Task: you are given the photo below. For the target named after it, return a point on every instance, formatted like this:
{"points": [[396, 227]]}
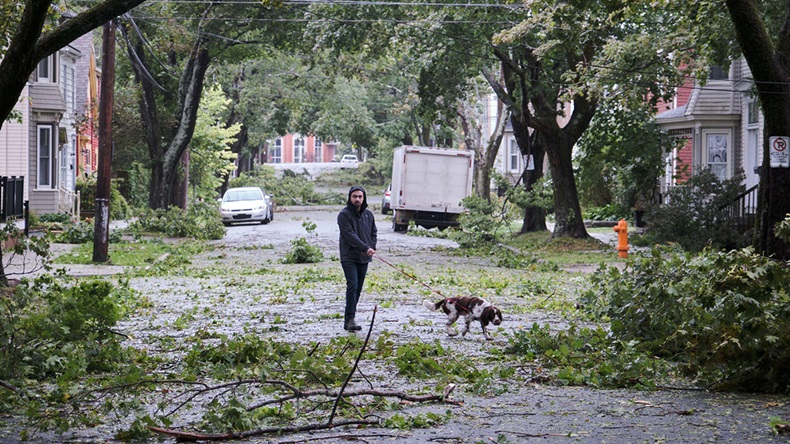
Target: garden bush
{"points": [[723, 316], [119, 208], [695, 216]]}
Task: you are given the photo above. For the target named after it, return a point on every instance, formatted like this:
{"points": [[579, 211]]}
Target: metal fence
{"points": [[12, 191], [742, 212]]}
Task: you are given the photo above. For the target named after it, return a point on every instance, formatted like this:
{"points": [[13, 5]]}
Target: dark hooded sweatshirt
{"points": [[357, 230]]}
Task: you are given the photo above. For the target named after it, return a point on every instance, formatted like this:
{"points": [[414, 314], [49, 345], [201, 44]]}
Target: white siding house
{"points": [[42, 147]]}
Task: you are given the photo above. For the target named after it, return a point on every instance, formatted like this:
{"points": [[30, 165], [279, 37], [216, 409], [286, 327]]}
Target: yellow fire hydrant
{"points": [[622, 238]]}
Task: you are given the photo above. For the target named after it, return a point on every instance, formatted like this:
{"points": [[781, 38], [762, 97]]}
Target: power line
{"points": [[412, 23]]}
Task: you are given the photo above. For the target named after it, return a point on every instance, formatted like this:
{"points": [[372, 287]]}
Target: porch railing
{"points": [[742, 212], [67, 201]]}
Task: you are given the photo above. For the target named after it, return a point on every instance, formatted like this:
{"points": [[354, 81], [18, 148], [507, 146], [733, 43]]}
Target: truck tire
{"points": [[399, 228]]}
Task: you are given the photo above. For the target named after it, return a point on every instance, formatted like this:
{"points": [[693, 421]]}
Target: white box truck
{"points": [[428, 185]]}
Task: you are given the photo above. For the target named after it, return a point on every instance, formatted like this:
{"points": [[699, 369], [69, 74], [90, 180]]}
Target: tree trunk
{"points": [[568, 213], [534, 216], [770, 67], [179, 194], [166, 159], [484, 154]]}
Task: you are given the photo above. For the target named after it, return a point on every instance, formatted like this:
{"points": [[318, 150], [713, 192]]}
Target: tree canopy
{"points": [[38, 31]]}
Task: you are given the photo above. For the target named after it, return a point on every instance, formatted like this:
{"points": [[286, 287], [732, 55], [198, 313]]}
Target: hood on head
{"points": [[364, 197]]}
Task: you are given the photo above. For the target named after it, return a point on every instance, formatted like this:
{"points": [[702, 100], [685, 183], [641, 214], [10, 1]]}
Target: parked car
{"points": [[246, 204], [386, 200], [349, 161]]}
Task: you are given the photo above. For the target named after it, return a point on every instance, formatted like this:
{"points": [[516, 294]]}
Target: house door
{"points": [[752, 159]]}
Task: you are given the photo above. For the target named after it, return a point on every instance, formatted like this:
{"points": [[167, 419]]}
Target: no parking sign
{"points": [[780, 151]]}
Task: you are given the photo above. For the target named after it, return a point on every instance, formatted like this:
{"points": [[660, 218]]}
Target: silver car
{"points": [[246, 204]]}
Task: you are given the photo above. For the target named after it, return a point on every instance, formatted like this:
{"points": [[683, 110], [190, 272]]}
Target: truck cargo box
{"points": [[428, 185]]}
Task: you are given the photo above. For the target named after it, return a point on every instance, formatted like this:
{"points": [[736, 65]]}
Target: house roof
{"points": [[46, 97], [672, 113]]}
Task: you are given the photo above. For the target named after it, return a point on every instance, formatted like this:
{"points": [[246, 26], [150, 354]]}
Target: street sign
{"points": [[780, 151]]}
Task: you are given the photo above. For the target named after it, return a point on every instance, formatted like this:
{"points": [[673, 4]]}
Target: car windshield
{"points": [[238, 195]]}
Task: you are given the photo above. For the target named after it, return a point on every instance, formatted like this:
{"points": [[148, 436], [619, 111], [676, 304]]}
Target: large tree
{"points": [[170, 60], [763, 33], [30, 36], [565, 58]]}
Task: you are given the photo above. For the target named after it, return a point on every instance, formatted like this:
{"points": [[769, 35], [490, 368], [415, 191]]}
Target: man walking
{"points": [[357, 247]]}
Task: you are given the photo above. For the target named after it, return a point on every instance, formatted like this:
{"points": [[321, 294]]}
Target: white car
{"points": [[349, 161], [246, 204]]}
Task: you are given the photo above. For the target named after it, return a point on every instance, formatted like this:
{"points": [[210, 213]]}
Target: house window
{"points": [[513, 155], [752, 113], [319, 150], [299, 150], [69, 89], [45, 158], [277, 152], [718, 73], [46, 69], [717, 147]]}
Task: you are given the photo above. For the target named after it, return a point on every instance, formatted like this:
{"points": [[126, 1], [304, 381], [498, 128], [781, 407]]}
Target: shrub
{"points": [[60, 218], [81, 233], [119, 208], [201, 221], [695, 217], [301, 251], [50, 329], [724, 316]]}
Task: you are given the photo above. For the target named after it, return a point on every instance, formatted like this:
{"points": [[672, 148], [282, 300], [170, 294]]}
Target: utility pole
{"points": [[101, 232]]}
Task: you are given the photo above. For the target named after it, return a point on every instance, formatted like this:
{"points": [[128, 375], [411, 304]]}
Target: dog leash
{"points": [[453, 300]]}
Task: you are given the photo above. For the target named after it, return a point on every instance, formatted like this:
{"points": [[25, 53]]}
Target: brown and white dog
{"points": [[471, 308]]}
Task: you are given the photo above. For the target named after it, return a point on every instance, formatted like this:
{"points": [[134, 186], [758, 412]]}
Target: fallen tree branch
{"points": [[352, 393], [339, 395], [13, 388], [354, 367], [192, 436]]}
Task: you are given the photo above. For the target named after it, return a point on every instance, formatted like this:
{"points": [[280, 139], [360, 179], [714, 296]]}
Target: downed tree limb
{"points": [[353, 368], [331, 423], [13, 388], [192, 436], [352, 393]]}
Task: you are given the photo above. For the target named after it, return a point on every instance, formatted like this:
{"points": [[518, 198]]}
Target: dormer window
{"points": [[718, 73]]}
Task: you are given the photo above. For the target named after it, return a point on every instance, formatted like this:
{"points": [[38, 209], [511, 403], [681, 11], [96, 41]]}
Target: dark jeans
{"points": [[355, 277]]}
